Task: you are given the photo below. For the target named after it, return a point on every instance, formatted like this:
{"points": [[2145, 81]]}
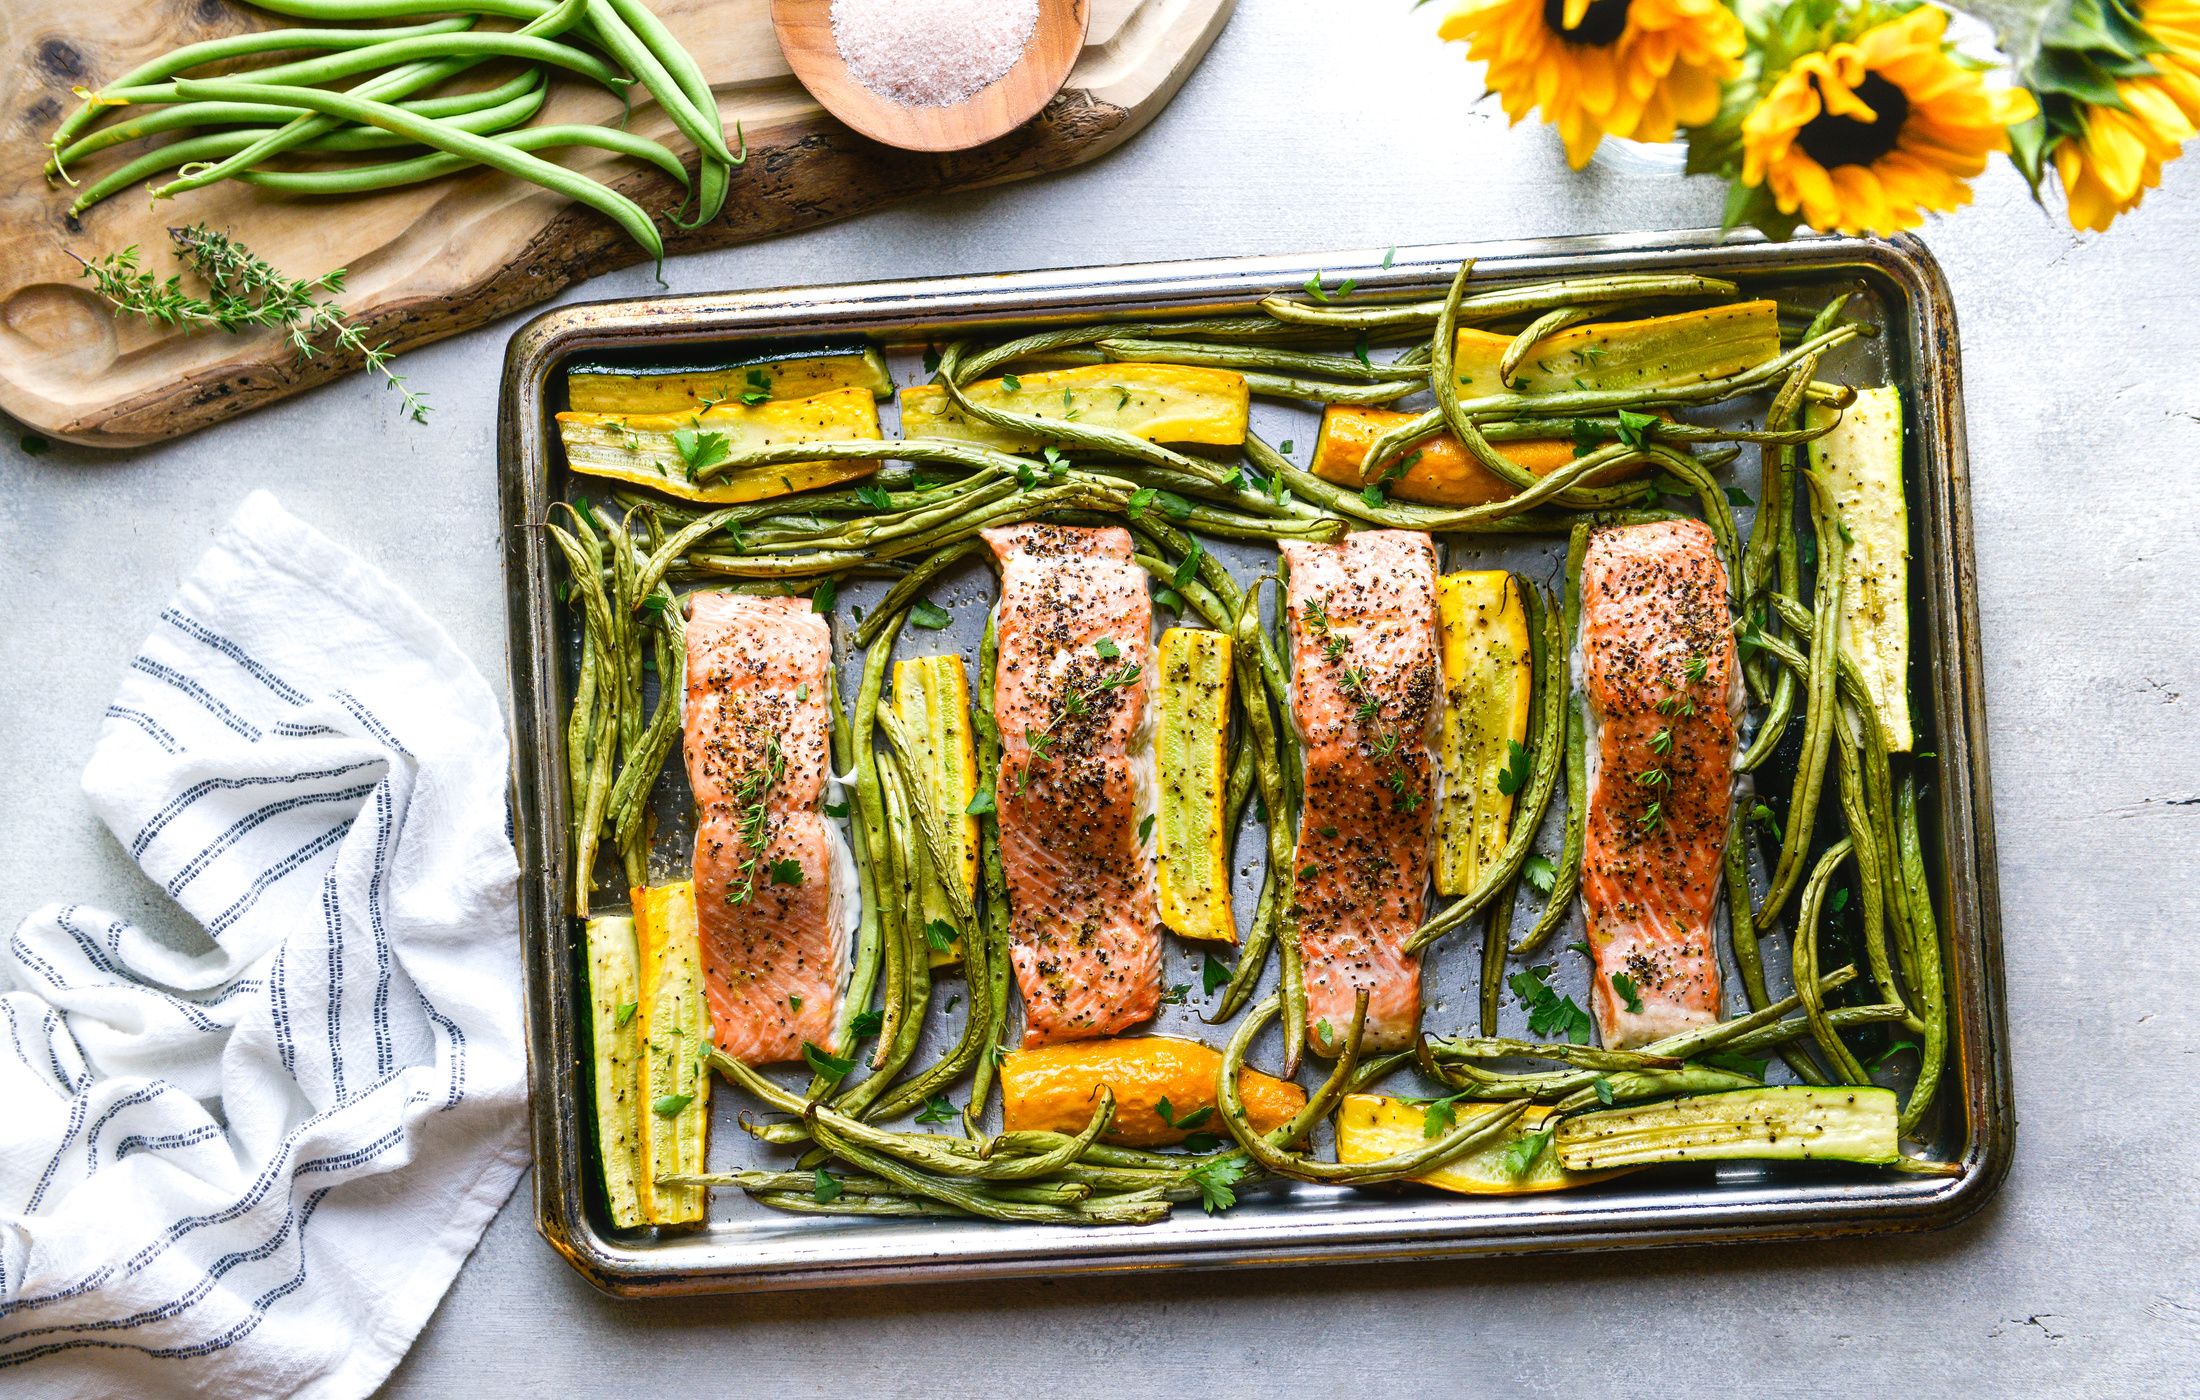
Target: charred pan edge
{"points": [[1925, 357]]}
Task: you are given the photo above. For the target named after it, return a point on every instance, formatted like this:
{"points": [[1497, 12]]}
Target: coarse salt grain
{"points": [[932, 53]]}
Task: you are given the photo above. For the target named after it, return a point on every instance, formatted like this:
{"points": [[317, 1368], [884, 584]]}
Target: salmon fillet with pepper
{"points": [[1364, 700], [1660, 677], [1071, 695], [775, 893]]}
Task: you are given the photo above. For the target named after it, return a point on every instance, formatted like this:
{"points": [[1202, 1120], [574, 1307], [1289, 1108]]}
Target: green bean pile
{"points": [[246, 123], [915, 521]]}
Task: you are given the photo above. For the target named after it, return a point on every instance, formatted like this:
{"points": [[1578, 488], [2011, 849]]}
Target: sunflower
{"points": [[1637, 69], [2112, 154], [1868, 134]]}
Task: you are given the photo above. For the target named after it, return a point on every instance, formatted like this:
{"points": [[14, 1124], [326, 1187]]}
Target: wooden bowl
{"points": [[805, 30]]}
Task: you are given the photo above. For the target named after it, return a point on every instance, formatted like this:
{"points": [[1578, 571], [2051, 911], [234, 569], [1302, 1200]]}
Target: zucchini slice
{"points": [[660, 450], [932, 700], [1788, 1122], [1483, 637], [1192, 772], [672, 1027], [1372, 1126], [608, 386], [1160, 403], [1861, 460], [614, 1000], [1661, 352]]}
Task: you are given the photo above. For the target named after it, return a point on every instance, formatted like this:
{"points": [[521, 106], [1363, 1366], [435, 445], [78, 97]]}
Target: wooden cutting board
{"points": [[441, 258]]}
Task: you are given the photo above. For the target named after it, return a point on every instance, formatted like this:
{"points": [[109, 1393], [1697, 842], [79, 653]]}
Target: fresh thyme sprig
{"points": [[245, 291]]}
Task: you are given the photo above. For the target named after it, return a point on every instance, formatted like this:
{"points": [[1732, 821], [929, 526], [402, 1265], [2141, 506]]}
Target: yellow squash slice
{"points": [[672, 1024], [1371, 1127], [932, 701], [1160, 403], [1487, 679], [661, 450], [1192, 772], [1662, 352]]}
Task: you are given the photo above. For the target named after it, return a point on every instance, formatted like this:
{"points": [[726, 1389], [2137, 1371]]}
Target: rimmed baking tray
{"points": [[744, 1247]]}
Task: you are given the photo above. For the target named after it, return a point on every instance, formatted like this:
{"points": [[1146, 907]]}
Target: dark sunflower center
{"points": [[1832, 140], [1600, 26]]}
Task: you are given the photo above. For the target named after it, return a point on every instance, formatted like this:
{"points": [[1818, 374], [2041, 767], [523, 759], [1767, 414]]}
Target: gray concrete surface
{"points": [[1315, 126]]}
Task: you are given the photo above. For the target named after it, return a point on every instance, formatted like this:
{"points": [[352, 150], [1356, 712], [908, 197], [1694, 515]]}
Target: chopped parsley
{"points": [[825, 1062], [1514, 775], [940, 935], [1628, 992], [1190, 1120], [866, 1023], [670, 1105], [824, 1188], [929, 615], [822, 596], [1212, 974], [874, 496], [787, 872], [1540, 874], [1106, 649], [1549, 1013], [981, 804], [936, 1109], [1522, 1153], [1634, 428], [1216, 1181], [699, 449], [1145, 829]]}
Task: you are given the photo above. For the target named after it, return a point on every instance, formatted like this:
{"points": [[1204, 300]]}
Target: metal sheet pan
{"points": [[744, 1247]]}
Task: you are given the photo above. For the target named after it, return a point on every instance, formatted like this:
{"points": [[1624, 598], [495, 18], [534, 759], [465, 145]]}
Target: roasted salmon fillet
{"points": [[1660, 678], [1364, 701], [1071, 695], [775, 897]]}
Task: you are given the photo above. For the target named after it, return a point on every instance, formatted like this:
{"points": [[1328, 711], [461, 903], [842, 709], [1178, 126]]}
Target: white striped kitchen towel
{"points": [[253, 1169]]}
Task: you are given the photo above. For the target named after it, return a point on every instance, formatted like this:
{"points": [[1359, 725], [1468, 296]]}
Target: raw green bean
{"points": [[713, 173], [468, 49], [343, 11], [511, 102], [622, 43], [224, 49], [399, 82], [360, 179], [421, 169], [606, 201], [1548, 696]]}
